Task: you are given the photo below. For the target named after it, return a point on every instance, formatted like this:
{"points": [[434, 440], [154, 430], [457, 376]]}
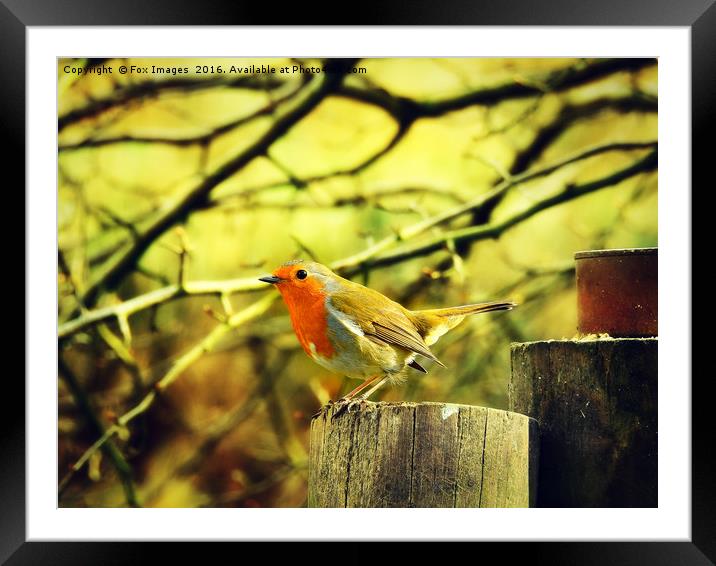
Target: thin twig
{"points": [[157, 297], [408, 110], [547, 134], [490, 231], [116, 267], [207, 344], [201, 139], [405, 111], [124, 471], [148, 89], [414, 230], [346, 265]]}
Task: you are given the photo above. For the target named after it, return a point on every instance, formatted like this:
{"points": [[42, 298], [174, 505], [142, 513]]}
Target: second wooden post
{"points": [[596, 403]]}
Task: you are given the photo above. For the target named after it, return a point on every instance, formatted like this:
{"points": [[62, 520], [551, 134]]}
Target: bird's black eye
{"points": [[301, 274]]}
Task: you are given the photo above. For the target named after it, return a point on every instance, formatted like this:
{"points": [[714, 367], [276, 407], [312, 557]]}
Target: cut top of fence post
{"points": [[422, 455]]}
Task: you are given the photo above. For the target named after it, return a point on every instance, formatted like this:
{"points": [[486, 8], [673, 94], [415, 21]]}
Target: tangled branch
{"points": [[120, 464], [349, 265], [491, 231], [201, 139], [148, 89], [405, 111], [116, 268], [206, 345], [429, 235]]}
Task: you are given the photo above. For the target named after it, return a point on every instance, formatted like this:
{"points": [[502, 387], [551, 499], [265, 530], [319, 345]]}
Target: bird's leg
{"points": [[346, 405], [361, 387], [344, 402], [373, 389]]}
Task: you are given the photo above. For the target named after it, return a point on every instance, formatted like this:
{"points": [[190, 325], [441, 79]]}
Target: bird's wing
{"points": [[401, 336], [382, 319]]}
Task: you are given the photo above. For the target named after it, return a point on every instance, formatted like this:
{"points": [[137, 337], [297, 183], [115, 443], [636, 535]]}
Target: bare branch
{"points": [[406, 110], [124, 260], [569, 114], [490, 231], [140, 91], [202, 139], [110, 449], [371, 199], [228, 422], [348, 265], [157, 297], [413, 230], [207, 344]]}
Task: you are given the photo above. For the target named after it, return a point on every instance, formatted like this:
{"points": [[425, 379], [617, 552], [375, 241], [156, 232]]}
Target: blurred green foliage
{"points": [[232, 429]]}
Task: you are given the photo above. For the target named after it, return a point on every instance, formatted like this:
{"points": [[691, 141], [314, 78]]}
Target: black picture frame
{"points": [[17, 15]]}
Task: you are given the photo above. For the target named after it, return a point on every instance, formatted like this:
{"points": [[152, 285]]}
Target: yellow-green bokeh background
{"points": [[254, 220]]}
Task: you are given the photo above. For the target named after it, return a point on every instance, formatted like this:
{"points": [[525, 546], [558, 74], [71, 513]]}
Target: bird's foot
{"points": [[323, 410], [339, 407], [346, 406]]}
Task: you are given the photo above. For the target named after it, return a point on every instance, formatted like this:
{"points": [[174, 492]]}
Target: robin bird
{"points": [[358, 332]]}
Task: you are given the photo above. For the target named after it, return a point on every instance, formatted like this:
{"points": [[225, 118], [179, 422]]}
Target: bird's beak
{"points": [[270, 279]]}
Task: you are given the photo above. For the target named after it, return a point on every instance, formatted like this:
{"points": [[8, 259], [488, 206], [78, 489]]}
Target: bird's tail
{"points": [[471, 309], [436, 322]]}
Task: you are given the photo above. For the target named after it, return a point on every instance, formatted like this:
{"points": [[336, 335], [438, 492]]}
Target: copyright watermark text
{"points": [[263, 69]]}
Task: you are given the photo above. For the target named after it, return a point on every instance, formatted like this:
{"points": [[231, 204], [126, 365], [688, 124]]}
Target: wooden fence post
{"points": [[422, 455], [596, 404]]}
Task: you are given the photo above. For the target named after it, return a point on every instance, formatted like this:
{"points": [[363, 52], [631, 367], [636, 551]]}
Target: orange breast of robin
{"points": [[307, 307]]}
